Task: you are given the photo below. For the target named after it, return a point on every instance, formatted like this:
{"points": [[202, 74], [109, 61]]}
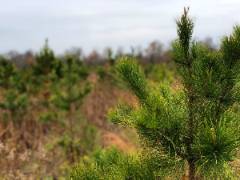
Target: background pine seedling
{"points": [[68, 93]]}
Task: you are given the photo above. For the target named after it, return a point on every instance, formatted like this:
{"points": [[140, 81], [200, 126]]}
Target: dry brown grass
{"points": [[27, 151]]}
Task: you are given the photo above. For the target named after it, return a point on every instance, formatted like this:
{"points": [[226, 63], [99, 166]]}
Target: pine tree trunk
{"points": [[191, 128], [72, 136], [192, 172]]}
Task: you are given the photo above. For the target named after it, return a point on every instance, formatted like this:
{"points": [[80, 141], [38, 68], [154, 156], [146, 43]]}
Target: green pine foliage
{"points": [[210, 82], [15, 104], [72, 88], [111, 164], [15, 97], [7, 69], [198, 124], [45, 61]]}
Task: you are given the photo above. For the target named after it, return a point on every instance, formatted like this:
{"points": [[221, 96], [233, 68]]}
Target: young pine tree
{"points": [[198, 124], [7, 70], [45, 60], [14, 103], [68, 93]]}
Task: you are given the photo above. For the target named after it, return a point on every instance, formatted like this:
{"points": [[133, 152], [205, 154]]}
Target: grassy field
{"points": [[36, 134]]}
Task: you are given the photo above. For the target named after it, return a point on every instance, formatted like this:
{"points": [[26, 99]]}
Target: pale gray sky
{"points": [[99, 23]]}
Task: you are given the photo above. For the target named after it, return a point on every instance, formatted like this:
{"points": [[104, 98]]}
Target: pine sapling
{"points": [[45, 60], [68, 94], [197, 124]]}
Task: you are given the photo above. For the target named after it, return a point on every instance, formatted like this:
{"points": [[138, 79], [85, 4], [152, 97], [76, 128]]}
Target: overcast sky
{"points": [[95, 24]]}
